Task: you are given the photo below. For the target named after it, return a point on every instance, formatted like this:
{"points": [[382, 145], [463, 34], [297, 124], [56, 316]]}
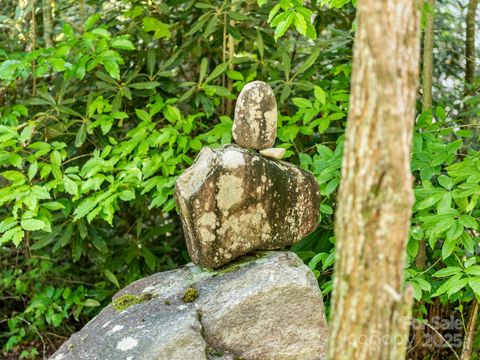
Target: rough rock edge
{"points": [[211, 353]]}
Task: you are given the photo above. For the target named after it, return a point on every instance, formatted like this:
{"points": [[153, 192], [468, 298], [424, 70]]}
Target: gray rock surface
{"points": [[233, 201], [264, 307], [255, 123]]}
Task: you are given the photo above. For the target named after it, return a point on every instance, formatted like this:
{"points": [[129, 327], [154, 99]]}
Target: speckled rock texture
{"points": [[265, 307], [233, 201], [255, 123]]}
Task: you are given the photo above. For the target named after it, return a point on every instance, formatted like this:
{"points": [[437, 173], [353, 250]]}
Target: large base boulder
{"points": [[267, 306], [233, 201]]}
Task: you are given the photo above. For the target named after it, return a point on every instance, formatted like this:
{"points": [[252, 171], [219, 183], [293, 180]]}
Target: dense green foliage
{"points": [[95, 130]]}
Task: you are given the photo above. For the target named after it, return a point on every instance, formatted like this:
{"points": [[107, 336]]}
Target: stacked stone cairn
{"points": [[237, 300]]}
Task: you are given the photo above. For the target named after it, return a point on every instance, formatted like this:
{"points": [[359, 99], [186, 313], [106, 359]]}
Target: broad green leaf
{"points": [[448, 271], [319, 94], [32, 224], [455, 231], [473, 270], [300, 24], [309, 62], [7, 224], [468, 221], [123, 44], [283, 26], [160, 29], [475, 285], [91, 303], [70, 186], [111, 276], [448, 284], [217, 72], [446, 182], [457, 286], [147, 85], [235, 75], [448, 247]]}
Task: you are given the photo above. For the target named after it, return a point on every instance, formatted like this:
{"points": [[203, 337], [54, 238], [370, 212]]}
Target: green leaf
{"points": [[53, 205], [32, 170], [123, 44], [283, 26], [448, 271], [446, 182], [16, 177], [302, 103], [7, 224], [112, 67], [81, 136], [143, 115], [319, 94], [473, 270], [326, 209], [448, 247], [457, 286], [127, 195], [309, 62], [235, 75], [424, 284], [26, 133], [468, 221], [203, 69], [217, 72], [32, 224], [91, 20], [55, 158], [101, 32], [428, 202], [447, 285], [147, 85], [111, 277], [475, 285], [455, 231], [150, 259], [300, 24], [91, 303], [444, 224], [70, 186], [160, 29]]}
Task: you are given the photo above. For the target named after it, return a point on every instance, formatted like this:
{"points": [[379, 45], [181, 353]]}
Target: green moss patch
{"points": [[190, 295], [127, 300]]}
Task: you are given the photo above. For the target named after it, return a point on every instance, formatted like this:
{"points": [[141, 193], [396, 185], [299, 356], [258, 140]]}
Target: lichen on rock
{"points": [[255, 123]]}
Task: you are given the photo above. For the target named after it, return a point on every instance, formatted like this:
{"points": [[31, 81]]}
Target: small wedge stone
{"points": [[274, 153]]}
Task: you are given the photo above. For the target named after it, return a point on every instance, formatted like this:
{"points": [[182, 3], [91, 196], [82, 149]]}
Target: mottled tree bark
{"points": [[47, 23], [470, 46], [427, 69], [427, 86], [370, 310]]}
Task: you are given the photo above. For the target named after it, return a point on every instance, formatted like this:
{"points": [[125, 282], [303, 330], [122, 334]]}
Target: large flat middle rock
{"points": [[233, 200]]}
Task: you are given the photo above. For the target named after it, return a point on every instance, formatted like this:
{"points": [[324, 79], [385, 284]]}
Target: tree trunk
{"points": [[427, 84], [470, 46], [470, 331], [370, 310], [47, 23], [427, 70]]}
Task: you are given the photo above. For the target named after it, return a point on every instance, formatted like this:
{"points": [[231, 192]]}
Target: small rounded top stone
{"points": [[255, 124]]}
